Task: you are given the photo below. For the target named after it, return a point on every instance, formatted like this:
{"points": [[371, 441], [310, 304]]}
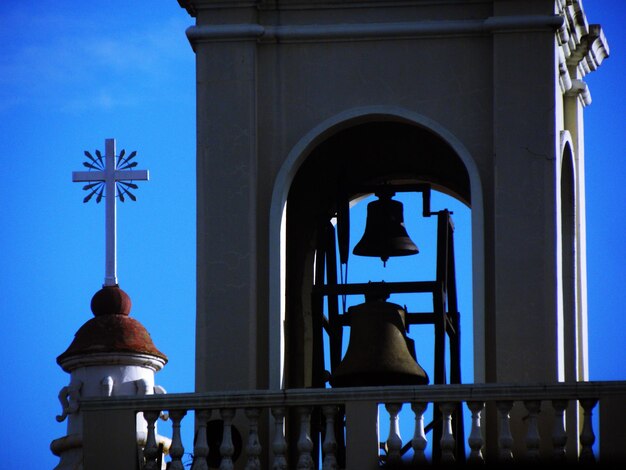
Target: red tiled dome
{"points": [[111, 330]]}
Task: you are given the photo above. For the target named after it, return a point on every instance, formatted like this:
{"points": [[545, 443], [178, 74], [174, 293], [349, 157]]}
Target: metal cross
{"points": [[110, 178]]}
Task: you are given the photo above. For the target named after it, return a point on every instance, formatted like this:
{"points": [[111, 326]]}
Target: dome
{"points": [[111, 330]]}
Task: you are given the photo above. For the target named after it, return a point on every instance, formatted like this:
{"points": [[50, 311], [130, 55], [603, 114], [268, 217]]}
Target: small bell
{"points": [[385, 234]]}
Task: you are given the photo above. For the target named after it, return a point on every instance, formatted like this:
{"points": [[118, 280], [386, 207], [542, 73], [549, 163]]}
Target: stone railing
{"points": [[304, 428]]}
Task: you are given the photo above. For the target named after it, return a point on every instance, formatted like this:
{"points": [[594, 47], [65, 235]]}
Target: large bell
{"points": [[379, 352], [385, 234]]}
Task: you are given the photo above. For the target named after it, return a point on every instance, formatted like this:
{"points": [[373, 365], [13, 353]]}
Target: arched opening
{"points": [[343, 167], [573, 336], [568, 266], [345, 170]]}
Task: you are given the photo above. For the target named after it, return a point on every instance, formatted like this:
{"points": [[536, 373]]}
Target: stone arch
{"points": [[572, 329], [568, 255], [372, 129]]}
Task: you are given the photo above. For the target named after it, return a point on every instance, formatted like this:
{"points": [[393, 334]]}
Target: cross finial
{"points": [[110, 178]]}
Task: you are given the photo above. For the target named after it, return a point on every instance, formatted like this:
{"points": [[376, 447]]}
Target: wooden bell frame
{"points": [[444, 315]]}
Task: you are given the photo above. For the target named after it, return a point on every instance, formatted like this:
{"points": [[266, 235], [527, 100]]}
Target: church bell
{"points": [[379, 351], [385, 233]]}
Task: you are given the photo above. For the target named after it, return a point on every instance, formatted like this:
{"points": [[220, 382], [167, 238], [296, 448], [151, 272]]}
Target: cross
{"points": [[113, 177]]}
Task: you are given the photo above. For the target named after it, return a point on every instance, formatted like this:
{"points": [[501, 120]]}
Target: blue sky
{"points": [[72, 75]]}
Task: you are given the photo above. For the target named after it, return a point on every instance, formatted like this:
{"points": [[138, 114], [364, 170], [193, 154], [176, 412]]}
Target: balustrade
{"points": [[262, 416]]}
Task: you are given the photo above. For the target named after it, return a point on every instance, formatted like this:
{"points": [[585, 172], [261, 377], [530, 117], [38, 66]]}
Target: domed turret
{"points": [[111, 355]]}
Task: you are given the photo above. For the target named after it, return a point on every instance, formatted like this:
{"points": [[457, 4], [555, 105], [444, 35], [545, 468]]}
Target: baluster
{"points": [[176, 447], [227, 449], [532, 435], [419, 441], [279, 446], [330, 443], [475, 439], [505, 439], [253, 448], [447, 437], [151, 450], [201, 446], [587, 437], [559, 436], [305, 444], [394, 441]]}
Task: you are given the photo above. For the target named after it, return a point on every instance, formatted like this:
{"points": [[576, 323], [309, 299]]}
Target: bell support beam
{"points": [[376, 288], [423, 188], [334, 318]]}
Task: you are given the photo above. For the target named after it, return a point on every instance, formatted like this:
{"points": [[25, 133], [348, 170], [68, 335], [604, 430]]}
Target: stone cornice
{"points": [[369, 31], [149, 361], [582, 44], [193, 7], [583, 47]]}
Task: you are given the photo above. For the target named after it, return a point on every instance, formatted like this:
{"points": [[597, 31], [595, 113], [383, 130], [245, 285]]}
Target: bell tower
{"points": [[304, 107]]}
